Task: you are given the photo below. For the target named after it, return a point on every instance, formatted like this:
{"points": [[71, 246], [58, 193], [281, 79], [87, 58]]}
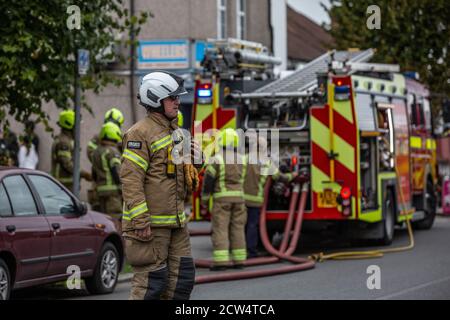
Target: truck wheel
{"points": [[106, 271], [5, 281], [388, 220], [430, 208]]}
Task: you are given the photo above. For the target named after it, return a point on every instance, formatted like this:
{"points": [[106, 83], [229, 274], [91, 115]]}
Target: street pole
{"points": [[76, 156]]}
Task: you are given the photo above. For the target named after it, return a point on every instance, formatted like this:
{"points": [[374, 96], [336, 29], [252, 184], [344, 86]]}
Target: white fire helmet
{"points": [[159, 85]]}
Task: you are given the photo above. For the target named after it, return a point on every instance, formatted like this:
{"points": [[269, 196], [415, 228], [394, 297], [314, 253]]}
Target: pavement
{"points": [[421, 273]]}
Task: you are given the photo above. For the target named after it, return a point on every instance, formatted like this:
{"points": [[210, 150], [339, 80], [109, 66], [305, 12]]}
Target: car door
{"points": [[26, 233], [73, 235]]}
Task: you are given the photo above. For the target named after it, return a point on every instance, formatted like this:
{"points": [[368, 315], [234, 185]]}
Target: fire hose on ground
{"points": [[300, 264], [285, 252]]}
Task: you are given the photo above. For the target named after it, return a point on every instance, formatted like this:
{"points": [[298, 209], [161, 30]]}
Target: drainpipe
{"points": [[132, 68]]}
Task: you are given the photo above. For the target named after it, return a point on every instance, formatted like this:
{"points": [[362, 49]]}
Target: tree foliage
{"points": [[37, 51], [414, 34]]}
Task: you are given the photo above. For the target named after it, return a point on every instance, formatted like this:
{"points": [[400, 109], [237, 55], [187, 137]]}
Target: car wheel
{"points": [[106, 271], [430, 208], [5, 281]]}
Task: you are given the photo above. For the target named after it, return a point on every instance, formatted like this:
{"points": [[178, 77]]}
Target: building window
{"points": [[240, 19], [221, 19]]}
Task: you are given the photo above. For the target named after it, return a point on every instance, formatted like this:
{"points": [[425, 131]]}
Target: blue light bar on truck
{"points": [[204, 93]]}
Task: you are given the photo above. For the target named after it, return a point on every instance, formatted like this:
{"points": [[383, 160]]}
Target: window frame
{"points": [[41, 204], [418, 116], [34, 196], [9, 201], [241, 30], [222, 8], [427, 114]]}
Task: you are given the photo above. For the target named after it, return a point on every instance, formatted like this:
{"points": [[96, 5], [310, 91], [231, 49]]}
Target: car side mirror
{"points": [[81, 208]]}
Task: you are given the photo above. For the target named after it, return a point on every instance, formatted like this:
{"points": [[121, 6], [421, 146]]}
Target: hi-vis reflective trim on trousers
{"points": [[168, 219], [161, 143], [221, 255], [239, 254], [136, 211], [415, 142], [133, 157]]}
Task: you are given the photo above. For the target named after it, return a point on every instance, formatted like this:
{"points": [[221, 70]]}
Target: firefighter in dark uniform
{"points": [[62, 151], [106, 171], [157, 243]]}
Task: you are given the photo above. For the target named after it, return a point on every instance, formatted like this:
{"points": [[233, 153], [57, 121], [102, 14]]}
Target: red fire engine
{"points": [[362, 130]]}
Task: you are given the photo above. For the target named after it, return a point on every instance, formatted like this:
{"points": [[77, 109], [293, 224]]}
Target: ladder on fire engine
{"points": [[305, 79]]}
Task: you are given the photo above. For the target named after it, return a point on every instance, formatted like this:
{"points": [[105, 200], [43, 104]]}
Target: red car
{"points": [[46, 234]]}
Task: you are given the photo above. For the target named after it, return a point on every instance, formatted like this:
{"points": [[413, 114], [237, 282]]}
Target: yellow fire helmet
{"points": [[111, 131], [114, 115], [67, 119]]}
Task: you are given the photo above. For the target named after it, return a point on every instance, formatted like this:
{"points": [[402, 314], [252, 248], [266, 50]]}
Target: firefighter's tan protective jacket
{"points": [[92, 146], [150, 195], [255, 182], [224, 181], [62, 154], [105, 162]]}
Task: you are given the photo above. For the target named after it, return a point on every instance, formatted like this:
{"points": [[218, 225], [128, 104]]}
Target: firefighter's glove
{"points": [[144, 234], [140, 228], [191, 177]]}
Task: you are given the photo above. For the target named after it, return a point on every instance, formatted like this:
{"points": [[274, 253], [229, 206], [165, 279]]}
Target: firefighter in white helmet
{"points": [[154, 188]]}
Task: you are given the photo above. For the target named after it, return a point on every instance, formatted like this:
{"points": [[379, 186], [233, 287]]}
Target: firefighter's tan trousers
{"points": [[163, 267], [228, 232]]}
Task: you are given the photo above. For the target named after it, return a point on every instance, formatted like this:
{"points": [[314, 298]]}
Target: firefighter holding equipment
{"points": [[157, 243], [106, 171], [62, 151], [224, 182], [255, 182], [115, 116]]}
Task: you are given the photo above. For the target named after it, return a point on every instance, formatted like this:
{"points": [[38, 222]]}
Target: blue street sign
{"points": [[83, 61]]}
